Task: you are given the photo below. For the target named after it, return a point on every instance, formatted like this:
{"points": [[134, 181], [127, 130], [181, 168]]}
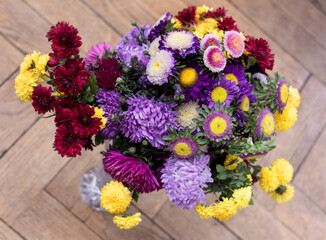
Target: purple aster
{"points": [[222, 90], [245, 99], [159, 26], [181, 43], [183, 148], [131, 172], [184, 180], [249, 156], [133, 56], [218, 126], [108, 100], [260, 77], [96, 52], [235, 73], [147, 118], [282, 93], [265, 124]]}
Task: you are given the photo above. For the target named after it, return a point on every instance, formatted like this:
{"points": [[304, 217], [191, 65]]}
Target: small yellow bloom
{"points": [[231, 161], [29, 62], [115, 198], [282, 194], [24, 85], [204, 212], [242, 197], [127, 222], [283, 170], [99, 113], [294, 97], [208, 26], [225, 209], [268, 180], [201, 11], [178, 24], [41, 63], [285, 120]]}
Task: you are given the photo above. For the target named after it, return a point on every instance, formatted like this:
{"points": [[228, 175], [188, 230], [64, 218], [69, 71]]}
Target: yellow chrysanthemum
{"points": [[204, 212], [231, 161], [29, 62], [99, 113], [208, 26], [24, 85], [282, 194], [127, 222], [242, 197], [294, 97], [178, 24], [225, 209], [249, 177], [41, 63], [188, 77], [268, 180], [285, 120], [115, 198], [283, 170], [200, 11]]}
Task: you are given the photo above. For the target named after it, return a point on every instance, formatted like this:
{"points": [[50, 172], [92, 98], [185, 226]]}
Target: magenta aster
{"points": [[218, 125], [183, 148], [96, 52], [233, 43], [214, 59]]}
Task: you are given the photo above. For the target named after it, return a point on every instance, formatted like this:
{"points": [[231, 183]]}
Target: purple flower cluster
{"points": [[183, 180], [159, 26]]}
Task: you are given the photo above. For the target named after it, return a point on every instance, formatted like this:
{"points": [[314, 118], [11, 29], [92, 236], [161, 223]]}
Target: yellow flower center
{"points": [[244, 106], [182, 149], [268, 125], [216, 56], [188, 77], [218, 125], [219, 93], [231, 77], [284, 93], [156, 66]]}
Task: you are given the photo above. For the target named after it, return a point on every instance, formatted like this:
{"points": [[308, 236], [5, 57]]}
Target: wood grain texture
{"points": [[102, 224], [320, 5], [6, 233], [46, 218], [151, 203]]}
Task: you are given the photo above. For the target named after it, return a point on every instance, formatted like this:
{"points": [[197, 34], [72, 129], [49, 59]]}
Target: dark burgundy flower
{"points": [[187, 15], [42, 100], [83, 122], [63, 117], [259, 49], [89, 145], [65, 39], [218, 13], [71, 77], [53, 61], [227, 24], [66, 142], [108, 72]]}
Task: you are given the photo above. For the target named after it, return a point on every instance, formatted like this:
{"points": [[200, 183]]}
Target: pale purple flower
{"points": [[96, 52]]}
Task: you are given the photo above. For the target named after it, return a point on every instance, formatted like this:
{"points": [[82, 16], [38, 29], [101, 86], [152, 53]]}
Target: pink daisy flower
{"points": [[214, 59], [233, 43], [210, 40]]}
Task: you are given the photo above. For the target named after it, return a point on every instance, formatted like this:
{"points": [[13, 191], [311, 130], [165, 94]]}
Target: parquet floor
{"points": [[39, 197]]}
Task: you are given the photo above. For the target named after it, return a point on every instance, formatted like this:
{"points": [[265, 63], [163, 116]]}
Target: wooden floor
{"points": [[39, 197]]}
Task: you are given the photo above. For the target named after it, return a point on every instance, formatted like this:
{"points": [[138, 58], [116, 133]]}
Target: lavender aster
{"points": [[184, 180], [183, 147], [159, 26], [96, 52], [218, 126], [147, 119], [282, 94]]}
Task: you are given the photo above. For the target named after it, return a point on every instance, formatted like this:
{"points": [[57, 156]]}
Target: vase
{"points": [[91, 182]]}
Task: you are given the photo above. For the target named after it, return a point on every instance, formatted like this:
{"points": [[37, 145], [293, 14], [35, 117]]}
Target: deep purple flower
{"points": [[159, 26], [235, 73], [245, 99], [96, 52], [249, 156], [130, 172], [282, 94], [184, 180]]}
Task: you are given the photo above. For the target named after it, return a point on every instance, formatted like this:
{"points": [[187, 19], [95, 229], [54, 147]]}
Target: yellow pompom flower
{"points": [[294, 97], [249, 177], [177, 23], [268, 180], [24, 85], [231, 161], [242, 197], [204, 212], [225, 209], [282, 194], [127, 222], [99, 113], [283, 170], [115, 198], [41, 63], [285, 120], [201, 11], [29, 62], [208, 26]]}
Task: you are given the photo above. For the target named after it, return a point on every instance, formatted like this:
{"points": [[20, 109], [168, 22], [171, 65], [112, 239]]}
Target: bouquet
{"points": [[187, 105]]}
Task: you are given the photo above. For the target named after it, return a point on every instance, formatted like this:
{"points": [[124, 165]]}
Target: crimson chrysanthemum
{"points": [[42, 100], [108, 72], [187, 15], [218, 13], [53, 61], [71, 77], [65, 39], [259, 49], [130, 172], [227, 24]]}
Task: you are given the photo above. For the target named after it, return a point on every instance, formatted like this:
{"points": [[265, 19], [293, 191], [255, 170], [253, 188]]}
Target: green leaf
{"points": [[99, 139], [135, 195]]}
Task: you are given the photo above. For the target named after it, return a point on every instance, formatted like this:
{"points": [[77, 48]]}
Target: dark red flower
{"points": [[187, 15], [71, 77], [227, 24], [108, 72], [89, 144], [83, 123], [218, 13], [42, 100], [65, 39], [63, 117], [66, 142], [259, 49], [53, 61]]}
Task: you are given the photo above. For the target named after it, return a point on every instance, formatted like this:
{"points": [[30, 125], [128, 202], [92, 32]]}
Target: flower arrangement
{"points": [[187, 105]]}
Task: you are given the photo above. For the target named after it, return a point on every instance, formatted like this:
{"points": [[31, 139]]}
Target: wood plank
{"points": [[46, 218], [308, 17], [311, 175], [15, 116], [10, 56], [286, 32], [27, 168], [320, 5], [91, 28], [186, 224], [26, 29], [302, 216], [6, 233], [150, 203], [102, 224]]}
